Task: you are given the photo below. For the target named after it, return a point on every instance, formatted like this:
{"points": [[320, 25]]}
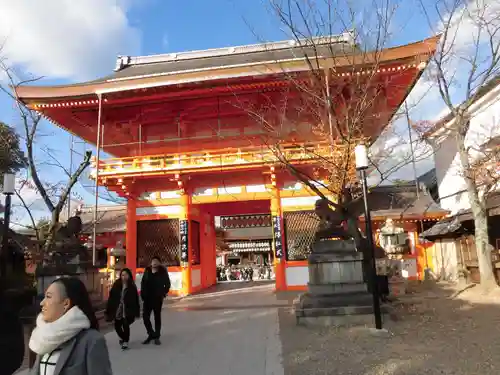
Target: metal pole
{"points": [[98, 155], [369, 236], [140, 139], [329, 109], [70, 172], [5, 236], [413, 162]]}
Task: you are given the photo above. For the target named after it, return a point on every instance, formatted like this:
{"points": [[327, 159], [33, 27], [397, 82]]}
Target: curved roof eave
{"points": [[109, 84]]}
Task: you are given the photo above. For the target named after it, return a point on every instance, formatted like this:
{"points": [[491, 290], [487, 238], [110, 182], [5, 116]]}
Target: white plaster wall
{"points": [[297, 276], [175, 280], [450, 181], [485, 125], [445, 260], [299, 201], [158, 210], [195, 278]]}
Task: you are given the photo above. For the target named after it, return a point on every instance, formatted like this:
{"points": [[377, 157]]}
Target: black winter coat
{"points": [[131, 300], [11, 339], [155, 286]]}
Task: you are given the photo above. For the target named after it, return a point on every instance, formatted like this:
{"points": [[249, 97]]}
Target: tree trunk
{"points": [[483, 249], [480, 216], [51, 234], [353, 229]]}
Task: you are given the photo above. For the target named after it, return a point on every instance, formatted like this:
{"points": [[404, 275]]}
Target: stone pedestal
{"points": [[397, 286], [337, 292]]}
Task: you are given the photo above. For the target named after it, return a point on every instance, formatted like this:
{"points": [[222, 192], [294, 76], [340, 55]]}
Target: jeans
{"points": [[155, 308], [122, 329]]}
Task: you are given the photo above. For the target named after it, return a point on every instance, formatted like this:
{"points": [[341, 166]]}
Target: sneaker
{"points": [[125, 346], [157, 342], [147, 341]]}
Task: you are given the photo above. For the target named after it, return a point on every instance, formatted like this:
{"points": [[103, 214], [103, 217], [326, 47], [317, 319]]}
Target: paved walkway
{"points": [[226, 332]]}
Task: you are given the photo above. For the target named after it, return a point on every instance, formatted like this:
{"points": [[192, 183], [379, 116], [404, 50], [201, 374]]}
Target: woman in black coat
{"points": [[123, 306]]}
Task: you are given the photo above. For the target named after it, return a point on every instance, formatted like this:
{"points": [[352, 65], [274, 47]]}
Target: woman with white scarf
{"points": [[66, 338]]}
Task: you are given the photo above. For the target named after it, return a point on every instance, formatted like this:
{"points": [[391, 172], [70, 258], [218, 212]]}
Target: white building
{"points": [[454, 250], [484, 130]]}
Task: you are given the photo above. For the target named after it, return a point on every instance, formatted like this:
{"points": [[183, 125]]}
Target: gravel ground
{"points": [[436, 332]]}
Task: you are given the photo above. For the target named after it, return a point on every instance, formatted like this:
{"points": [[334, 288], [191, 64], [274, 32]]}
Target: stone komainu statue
{"points": [[71, 230], [331, 221], [342, 222], [67, 244]]}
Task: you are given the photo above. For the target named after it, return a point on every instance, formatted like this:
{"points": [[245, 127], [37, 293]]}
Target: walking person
{"points": [[155, 286], [66, 339], [123, 306]]}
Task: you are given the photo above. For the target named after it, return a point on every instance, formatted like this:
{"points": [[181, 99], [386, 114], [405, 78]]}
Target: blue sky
{"points": [[67, 41]]}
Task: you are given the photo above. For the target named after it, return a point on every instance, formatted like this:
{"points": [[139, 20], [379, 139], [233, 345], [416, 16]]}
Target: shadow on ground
{"points": [[437, 332]]}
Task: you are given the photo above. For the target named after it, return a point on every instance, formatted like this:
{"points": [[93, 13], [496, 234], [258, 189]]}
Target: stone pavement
{"points": [[230, 332]]}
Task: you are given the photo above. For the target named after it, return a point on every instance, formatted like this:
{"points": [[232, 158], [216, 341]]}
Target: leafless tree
{"points": [[55, 195], [466, 66], [329, 108], [24, 187]]}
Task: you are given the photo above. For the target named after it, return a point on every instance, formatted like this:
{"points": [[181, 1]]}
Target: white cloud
{"points": [[66, 38]]}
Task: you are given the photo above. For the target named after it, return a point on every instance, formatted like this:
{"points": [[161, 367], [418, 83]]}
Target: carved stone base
{"points": [[348, 312], [337, 292]]}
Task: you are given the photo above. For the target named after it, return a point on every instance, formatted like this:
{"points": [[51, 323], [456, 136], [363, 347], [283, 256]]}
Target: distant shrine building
{"points": [[190, 155]]}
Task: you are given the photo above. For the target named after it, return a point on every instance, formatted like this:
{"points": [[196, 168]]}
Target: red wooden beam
{"points": [[237, 208]]}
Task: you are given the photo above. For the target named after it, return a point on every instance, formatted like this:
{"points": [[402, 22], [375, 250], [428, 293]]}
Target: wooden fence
{"points": [[467, 259]]}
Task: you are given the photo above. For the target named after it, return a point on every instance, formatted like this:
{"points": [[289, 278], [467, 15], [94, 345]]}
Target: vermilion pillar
{"points": [[279, 262], [131, 236], [186, 263]]}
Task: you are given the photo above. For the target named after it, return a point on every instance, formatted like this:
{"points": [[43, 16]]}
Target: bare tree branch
{"points": [[56, 195]]}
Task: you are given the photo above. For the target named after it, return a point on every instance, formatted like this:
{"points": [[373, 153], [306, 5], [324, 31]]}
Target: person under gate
{"points": [[155, 285]]}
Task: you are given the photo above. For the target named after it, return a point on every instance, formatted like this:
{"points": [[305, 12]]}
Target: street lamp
{"points": [[9, 183], [362, 163]]}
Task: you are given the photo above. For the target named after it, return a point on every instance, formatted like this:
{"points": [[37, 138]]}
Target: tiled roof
{"points": [[444, 228], [109, 219], [429, 178], [400, 201], [456, 224], [328, 46]]}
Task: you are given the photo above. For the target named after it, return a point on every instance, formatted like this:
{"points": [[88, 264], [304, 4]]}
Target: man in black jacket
{"points": [[155, 285]]}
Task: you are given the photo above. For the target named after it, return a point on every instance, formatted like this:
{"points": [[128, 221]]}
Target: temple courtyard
{"points": [[248, 329]]}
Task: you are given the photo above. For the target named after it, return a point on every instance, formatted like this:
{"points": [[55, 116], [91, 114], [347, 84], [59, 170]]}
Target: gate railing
{"points": [[197, 161]]}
